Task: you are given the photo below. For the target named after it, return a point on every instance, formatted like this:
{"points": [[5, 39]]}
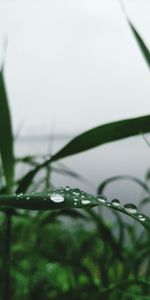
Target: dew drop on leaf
{"points": [[131, 208], [141, 217], [85, 201], [76, 192], [101, 199], [57, 198], [67, 188], [75, 199], [115, 202]]}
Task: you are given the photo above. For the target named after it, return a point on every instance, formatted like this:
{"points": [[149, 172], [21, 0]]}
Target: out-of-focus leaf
{"points": [[145, 51], [92, 138], [6, 136], [142, 184], [143, 47], [53, 215], [125, 284], [144, 201]]}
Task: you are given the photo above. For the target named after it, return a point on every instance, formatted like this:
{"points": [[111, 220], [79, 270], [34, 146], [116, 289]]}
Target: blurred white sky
{"points": [[74, 63]]}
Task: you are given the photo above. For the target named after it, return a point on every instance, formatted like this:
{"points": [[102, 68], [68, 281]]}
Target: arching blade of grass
{"points": [[64, 198], [92, 138], [6, 136], [144, 201], [106, 233], [142, 184], [104, 134]]}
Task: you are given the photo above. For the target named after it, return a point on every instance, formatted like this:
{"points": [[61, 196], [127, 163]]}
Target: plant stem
{"points": [[6, 257]]}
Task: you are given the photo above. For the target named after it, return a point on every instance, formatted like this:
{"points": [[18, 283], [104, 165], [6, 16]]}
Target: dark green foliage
{"points": [[77, 259]]}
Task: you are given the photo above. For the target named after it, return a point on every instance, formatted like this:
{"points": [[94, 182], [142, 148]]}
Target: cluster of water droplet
{"points": [[79, 198], [75, 196]]}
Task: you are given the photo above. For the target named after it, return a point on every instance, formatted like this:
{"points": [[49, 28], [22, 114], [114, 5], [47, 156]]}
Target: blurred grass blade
{"points": [[6, 137], [141, 43], [125, 284], [142, 184], [92, 138], [144, 201], [144, 49]]}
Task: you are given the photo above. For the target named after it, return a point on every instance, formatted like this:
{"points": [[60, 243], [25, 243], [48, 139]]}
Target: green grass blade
{"points": [[104, 134], [143, 47], [145, 51], [66, 198], [92, 138], [6, 137], [142, 184]]}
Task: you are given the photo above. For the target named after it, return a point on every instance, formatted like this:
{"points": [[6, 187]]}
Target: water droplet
{"points": [[76, 192], [57, 198], [131, 208], [101, 199], [67, 188], [115, 202], [108, 204], [141, 217], [75, 199], [85, 201], [20, 195]]}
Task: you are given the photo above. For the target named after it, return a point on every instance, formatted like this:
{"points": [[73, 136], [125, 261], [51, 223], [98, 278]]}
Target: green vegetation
{"points": [[60, 242]]}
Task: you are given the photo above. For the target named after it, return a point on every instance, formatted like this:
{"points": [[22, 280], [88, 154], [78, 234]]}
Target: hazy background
{"points": [[72, 65]]}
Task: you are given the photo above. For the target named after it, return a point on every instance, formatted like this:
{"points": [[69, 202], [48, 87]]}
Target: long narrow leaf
{"points": [[6, 137], [64, 198], [92, 138], [104, 134]]}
